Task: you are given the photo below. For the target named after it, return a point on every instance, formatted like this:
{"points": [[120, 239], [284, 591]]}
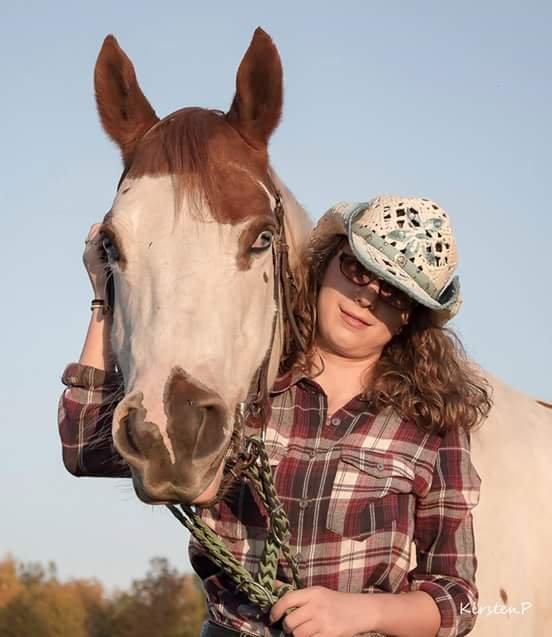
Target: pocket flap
{"points": [[379, 464]]}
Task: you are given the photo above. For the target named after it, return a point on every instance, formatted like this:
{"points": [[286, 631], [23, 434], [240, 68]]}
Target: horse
{"points": [[512, 519], [197, 311], [190, 241]]}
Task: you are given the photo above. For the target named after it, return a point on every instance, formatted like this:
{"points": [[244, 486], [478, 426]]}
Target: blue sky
{"points": [[446, 100]]}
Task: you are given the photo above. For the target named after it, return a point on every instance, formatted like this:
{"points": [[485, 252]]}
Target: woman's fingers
{"points": [[296, 618], [290, 600], [308, 629], [93, 258], [93, 233]]}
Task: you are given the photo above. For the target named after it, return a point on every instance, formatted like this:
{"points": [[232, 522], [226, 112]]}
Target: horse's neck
{"points": [[298, 227]]}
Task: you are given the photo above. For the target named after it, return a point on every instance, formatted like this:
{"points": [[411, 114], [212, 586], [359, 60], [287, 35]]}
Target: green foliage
{"points": [[33, 603]]}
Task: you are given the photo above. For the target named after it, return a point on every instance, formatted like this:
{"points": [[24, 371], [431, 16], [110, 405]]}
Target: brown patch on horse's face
{"points": [[248, 236], [206, 155], [182, 467]]}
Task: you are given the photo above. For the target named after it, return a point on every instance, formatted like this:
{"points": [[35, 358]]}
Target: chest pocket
{"points": [[242, 515], [369, 492]]}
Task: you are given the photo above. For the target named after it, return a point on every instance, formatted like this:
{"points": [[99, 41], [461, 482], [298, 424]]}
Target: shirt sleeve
{"points": [[85, 414], [444, 537]]}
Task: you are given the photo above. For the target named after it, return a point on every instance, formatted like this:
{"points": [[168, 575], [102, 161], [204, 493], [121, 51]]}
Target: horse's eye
{"points": [[263, 241], [110, 250]]}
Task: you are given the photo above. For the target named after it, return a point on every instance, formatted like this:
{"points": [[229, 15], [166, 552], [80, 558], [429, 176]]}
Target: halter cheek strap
{"points": [[254, 409]]}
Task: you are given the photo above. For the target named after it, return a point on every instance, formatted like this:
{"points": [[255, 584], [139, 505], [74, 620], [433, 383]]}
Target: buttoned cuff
{"points": [[456, 619], [87, 377]]}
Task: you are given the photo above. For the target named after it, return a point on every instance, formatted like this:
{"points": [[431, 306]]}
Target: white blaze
{"points": [[182, 301]]}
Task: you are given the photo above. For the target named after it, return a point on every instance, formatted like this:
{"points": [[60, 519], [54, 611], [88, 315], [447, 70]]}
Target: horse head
{"points": [[189, 240]]}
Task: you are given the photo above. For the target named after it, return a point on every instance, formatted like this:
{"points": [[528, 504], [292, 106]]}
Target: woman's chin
{"points": [[352, 343]]}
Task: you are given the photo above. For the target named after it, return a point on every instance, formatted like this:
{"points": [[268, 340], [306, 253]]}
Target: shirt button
{"points": [[299, 558], [336, 422], [380, 466], [312, 454], [303, 504]]}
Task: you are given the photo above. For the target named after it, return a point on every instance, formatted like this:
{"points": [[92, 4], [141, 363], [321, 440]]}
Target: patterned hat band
{"points": [[443, 298]]}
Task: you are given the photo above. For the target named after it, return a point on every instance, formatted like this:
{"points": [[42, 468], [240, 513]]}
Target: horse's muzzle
{"points": [[178, 463]]}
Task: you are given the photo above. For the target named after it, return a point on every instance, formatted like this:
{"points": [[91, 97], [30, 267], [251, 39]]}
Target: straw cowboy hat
{"points": [[406, 241]]}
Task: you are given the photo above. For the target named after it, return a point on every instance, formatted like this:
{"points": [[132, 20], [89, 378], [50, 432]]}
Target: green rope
{"points": [[279, 533], [261, 591]]}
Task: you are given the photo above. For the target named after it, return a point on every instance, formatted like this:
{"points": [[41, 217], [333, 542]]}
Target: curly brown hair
{"points": [[423, 372]]}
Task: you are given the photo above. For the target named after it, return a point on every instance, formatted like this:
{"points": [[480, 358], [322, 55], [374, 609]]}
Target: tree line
{"points": [[35, 603]]}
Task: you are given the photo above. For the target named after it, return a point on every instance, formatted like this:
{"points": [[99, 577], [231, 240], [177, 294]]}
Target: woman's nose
{"points": [[367, 295]]}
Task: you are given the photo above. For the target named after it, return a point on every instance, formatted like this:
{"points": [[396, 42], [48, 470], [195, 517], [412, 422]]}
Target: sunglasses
{"points": [[355, 272]]}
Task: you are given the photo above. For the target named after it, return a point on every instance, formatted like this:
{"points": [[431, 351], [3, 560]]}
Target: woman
{"points": [[368, 435]]}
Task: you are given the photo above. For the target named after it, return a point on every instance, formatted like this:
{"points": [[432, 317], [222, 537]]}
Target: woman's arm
{"points": [[444, 537], [93, 389], [325, 612], [442, 596], [86, 409]]}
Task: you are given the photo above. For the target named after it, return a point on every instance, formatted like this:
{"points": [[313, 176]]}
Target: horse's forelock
{"points": [[208, 160]]}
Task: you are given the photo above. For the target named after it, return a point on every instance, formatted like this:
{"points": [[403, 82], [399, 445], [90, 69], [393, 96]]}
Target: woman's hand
{"points": [[326, 613], [94, 260]]}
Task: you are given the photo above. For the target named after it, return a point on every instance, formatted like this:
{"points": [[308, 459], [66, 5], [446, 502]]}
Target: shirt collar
{"points": [[287, 380], [294, 376]]}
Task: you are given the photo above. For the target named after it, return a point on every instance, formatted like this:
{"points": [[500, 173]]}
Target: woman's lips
{"points": [[353, 321]]}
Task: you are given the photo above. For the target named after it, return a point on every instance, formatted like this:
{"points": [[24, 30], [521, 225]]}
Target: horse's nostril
{"points": [[127, 438], [130, 438]]}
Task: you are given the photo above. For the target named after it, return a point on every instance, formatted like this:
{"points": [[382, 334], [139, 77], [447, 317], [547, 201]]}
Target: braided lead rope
{"points": [[222, 557], [279, 532], [261, 591]]}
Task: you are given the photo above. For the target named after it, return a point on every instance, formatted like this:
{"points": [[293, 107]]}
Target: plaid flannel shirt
{"points": [[358, 489]]}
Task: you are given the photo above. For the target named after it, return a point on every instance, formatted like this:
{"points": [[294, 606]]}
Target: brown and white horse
{"points": [[189, 239], [511, 452]]}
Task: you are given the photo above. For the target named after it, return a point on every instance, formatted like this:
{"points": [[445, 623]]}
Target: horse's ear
{"points": [[257, 105], [124, 111]]}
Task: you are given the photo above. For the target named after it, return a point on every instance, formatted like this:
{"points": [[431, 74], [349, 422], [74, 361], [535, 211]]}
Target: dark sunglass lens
{"points": [[354, 270], [394, 297]]}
